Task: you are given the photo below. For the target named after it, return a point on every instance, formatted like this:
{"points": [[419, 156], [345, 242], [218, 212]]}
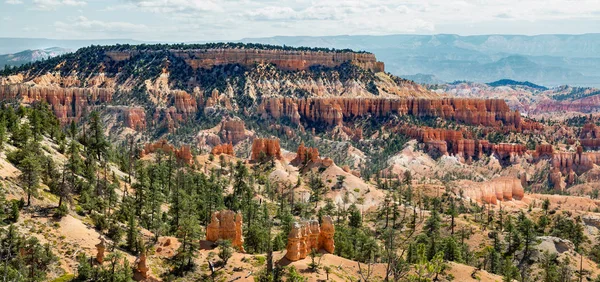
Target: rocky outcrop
{"points": [[333, 111], [268, 148], [232, 131], [509, 152], [544, 151], [141, 267], [100, 249], [306, 154], [184, 103], [326, 240], [226, 225], [67, 103], [497, 189], [223, 149], [183, 154], [283, 59], [554, 245], [453, 142], [590, 136], [135, 118], [579, 162], [308, 235], [293, 60]]}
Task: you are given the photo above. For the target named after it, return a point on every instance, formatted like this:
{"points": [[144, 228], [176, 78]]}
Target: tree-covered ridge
{"points": [[510, 82], [574, 93], [87, 58]]}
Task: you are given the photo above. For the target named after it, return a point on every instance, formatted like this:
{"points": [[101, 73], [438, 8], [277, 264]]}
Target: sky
{"points": [[206, 20]]}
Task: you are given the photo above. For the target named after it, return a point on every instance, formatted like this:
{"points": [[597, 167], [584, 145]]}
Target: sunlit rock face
{"points": [[495, 190], [308, 235], [265, 147], [226, 225]]}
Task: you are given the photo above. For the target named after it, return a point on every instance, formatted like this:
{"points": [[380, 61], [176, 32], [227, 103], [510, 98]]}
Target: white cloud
{"points": [[179, 6], [13, 2], [84, 26], [191, 20], [48, 5]]}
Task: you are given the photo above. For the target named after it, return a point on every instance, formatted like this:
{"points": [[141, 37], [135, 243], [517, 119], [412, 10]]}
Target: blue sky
{"points": [[204, 20]]}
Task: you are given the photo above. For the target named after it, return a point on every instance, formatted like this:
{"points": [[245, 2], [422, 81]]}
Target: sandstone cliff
{"points": [[333, 111], [291, 60], [495, 190], [67, 103]]}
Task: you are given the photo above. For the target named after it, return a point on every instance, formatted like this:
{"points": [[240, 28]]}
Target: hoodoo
{"points": [[226, 225], [308, 235]]}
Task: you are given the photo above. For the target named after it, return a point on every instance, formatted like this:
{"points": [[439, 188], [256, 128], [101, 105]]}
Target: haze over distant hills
{"points": [[545, 59], [548, 60]]}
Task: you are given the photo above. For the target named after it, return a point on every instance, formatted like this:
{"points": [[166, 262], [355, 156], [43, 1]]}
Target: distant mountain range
{"points": [[15, 45], [548, 60], [28, 56]]}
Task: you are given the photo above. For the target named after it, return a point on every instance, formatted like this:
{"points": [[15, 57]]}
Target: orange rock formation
{"points": [[100, 247], [498, 189], [308, 235], [233, 131], [283, 59], [268, 147], [306, 154], [135, 118], [332, 111], [183, 154], [226, 225], [141, 266], [67, 103], [226, 149]]}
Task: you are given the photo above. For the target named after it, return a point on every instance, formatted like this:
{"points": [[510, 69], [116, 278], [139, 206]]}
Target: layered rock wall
{"points": [[233, 131], [67, 103], [292, 60], [333, 111], [453, 142], [498, 189]]}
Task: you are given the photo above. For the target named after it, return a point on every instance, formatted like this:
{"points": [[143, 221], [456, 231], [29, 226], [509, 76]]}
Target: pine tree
{"points": [[30, 176], [132, 234], [432, 229]]}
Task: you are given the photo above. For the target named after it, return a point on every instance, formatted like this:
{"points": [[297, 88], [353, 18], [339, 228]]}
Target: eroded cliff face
{"points": [[333, 111], [291, 60], [135, 118], [495, 190], [584, 105], [67, 103]]}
